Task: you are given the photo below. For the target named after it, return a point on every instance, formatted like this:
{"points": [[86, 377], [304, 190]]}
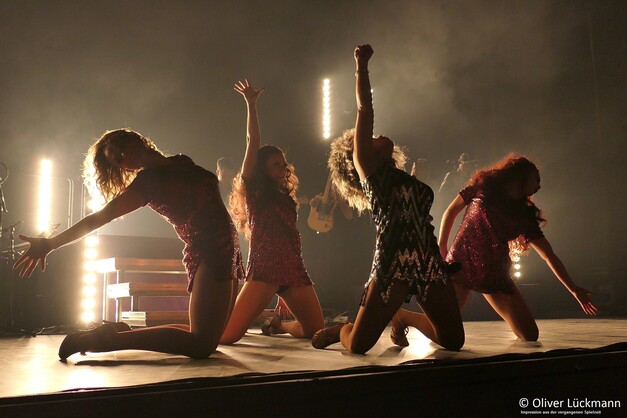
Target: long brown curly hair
{"points": [[494, 180], [100, 173], [263, 186], [344, 175]]}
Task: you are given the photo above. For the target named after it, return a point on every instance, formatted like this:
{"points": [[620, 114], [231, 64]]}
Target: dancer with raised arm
{"points": [[130, 172], [499, 210], [366, 172], [264, 205]]}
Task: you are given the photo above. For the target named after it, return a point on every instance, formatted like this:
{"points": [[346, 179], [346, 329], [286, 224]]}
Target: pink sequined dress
{"points": [[275, 255], [188, 197], [481, 243]]}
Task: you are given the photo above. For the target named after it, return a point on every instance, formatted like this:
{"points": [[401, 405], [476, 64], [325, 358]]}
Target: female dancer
{"points": [[406, 259], [263, 205], [500, 210], [130, 172]]}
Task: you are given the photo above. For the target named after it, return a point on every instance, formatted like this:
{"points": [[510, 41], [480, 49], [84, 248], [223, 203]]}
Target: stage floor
{"points": [[30, 366]]}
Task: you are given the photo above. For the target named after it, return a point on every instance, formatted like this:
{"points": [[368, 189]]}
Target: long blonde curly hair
{"points": [[262, 185], [100, 173], [344, 175]]}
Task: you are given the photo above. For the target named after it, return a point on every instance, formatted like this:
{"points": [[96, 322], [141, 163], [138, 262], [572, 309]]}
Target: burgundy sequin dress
{"points": [[275, 255], [188, 197], [481, 244]]}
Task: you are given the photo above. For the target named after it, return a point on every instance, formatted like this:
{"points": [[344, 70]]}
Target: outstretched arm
{"points": [[544, 249], [39, 248], [448, 219], [253, 136], [363, 152]]}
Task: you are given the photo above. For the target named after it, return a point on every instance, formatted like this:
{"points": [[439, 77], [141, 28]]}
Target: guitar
{"points": [[321, 215]]}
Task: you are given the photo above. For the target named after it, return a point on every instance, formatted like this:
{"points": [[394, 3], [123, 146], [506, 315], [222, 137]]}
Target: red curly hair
{"points": [[494, 181]]}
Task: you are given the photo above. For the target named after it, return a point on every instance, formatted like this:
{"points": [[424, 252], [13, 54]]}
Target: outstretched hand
{"points": [[247, 90], [363, 53], [583, 297], [36, 253]]}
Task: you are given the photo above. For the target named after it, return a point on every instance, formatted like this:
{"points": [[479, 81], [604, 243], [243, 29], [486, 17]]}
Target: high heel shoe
{"points": [[86, 340], [327, 336], [399, 332], [270, 326]]}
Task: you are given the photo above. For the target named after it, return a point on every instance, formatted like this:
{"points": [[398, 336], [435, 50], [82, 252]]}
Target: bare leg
{"points": [[441, 321], [514, 310], [250, 303], [208, 311], [372, 317], [420, 321], [234, 288], [305, 306], [462, 295]]}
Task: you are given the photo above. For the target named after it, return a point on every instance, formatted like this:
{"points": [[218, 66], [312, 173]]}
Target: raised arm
{"points": [[363, 152], [253, 136], [448, 219], [544, 249], [39, 248]]}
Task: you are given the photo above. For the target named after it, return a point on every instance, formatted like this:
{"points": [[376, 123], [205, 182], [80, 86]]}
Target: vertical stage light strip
{"points": [[89, 292], [326, 108], [44, 196], [516, 265], [88, 299]]}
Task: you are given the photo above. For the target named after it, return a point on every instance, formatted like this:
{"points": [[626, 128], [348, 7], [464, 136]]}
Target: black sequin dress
{"points": [[188, 197], [406, 247]]}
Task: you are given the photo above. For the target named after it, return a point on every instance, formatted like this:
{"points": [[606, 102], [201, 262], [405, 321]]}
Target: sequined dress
{"points": [[481, 243], [406, 247], [188, 197], [275, 254]]}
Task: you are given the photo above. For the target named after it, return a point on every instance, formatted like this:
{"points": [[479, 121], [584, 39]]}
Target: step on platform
{"points": [[152, 318], [124, 290]]}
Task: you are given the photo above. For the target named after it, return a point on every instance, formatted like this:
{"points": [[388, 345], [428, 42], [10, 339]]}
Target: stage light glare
{"points": [[89, 278], [90, 253], [518, 275], [89, 303], [88, 316], [516, 258], [517, 266], [326, 108], [91, 240], [95, 203], [89, 265], [44, 199], [89, 291]]}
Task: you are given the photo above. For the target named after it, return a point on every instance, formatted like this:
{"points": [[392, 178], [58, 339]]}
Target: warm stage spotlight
{"points": [[517, 266], [326, 108], [90, 253], [44, 197]]}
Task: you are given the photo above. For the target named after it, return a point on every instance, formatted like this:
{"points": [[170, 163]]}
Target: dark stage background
{"points": [[543, 78]]}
